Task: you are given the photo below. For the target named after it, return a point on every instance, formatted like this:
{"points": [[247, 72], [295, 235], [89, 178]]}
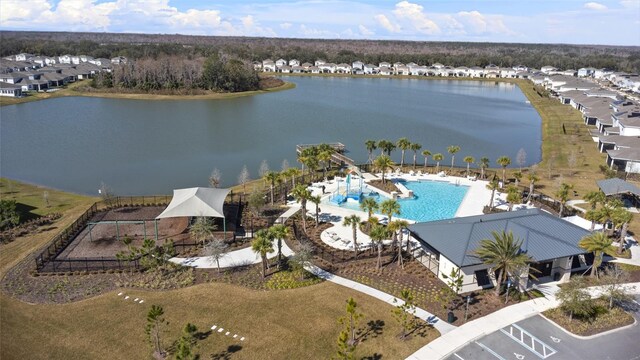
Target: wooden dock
{"points": [[337, 157]]}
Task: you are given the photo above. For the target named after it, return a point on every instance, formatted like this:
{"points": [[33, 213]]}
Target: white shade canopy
{"points": [[196, 201]]}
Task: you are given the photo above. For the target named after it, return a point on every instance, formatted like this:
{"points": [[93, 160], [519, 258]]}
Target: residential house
{"points": [[343, 68], [306, 65], [257, 65], [268, 66], [585, 72], [402, 70], [520, 68], [370, 69], [327, 68], [314, 69], [437, 66], [357, 65], [476, 72], [384, 64], [507, 73], [294, 62], [601, 73], [385, 71], [10, 90], [284, 69], [281, 62], [627, 160], [24, 57], [548, 69], [552, 243], [64, 59], [119, 60], [462, 71], [319, 62], [298, 69]]}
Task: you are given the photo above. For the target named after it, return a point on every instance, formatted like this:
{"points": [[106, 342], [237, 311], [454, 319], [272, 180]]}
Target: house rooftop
{"points": [[544, 236], [617, 186]]}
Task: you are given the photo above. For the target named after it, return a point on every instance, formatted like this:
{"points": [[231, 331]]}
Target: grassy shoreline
{"points": [[74, 89]]}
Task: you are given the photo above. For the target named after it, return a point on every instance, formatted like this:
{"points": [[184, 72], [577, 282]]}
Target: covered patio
{"points": [[626, 191], [197, 201]]}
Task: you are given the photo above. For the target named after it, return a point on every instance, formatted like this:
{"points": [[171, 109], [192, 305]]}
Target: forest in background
{"points": [[138, 46]]}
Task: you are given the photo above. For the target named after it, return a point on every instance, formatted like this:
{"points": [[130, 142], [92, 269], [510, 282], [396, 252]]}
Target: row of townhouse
{"points": [[385, 68], [624, 81], [614, 119], [15, 83], [42, 61]]}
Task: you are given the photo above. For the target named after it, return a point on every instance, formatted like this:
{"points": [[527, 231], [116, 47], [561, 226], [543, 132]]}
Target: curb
{"points": [[589, 337]]}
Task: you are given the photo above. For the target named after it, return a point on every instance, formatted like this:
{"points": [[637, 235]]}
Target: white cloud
{"points": [[482, 24], [414, 14], [387, 24], [632, 4], [595, 6], [364, 31], [285, 25]]}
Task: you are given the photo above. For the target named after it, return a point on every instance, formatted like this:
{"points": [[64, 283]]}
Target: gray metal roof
{"points": [[544, 236], [617, 186]]}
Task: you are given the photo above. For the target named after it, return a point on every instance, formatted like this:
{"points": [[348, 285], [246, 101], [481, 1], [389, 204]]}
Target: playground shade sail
{"points": [[198, 201]]}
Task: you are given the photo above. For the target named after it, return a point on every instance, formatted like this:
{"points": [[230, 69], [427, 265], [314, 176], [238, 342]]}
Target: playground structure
{"points": [[350, 192]]}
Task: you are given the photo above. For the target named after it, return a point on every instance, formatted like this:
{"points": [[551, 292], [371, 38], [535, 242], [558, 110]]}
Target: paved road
{"points": [[536, 338]]}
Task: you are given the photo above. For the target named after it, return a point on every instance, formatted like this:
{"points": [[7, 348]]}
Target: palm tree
{"points": [[293, 173], [369, 205], [532, 183], [202, 229], [378, 234], [453, 149], [503, 253], [353, 221], [325, 157], [426, 154], [302, 194], [503, 161], [437, 158], [493, 186], [483, 163], [469, 160], [621, 218], [608, 211], [398, 226], [390, 207], [594, 198], [596, 243], [316, 200], [371, 145], [563, 196], [513, 196], [382, 163], [518, 176], [386, 146], [263, 244], [415, 147], [403, 144], [593, 216], [271, 177], [280, 232]]}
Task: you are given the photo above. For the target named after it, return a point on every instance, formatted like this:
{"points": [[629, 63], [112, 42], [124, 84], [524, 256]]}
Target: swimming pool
{"points": [[433, 200]]}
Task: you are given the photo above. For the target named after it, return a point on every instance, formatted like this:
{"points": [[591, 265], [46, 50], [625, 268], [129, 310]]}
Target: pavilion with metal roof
{"points": [[616, 186]]}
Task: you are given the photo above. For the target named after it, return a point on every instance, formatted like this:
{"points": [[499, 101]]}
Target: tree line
{"points": [[173, 72], [564, 56]]}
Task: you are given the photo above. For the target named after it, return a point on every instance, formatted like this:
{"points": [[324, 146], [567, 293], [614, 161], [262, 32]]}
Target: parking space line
{"points": [[490, 351], [518, 334], [458, 356]]}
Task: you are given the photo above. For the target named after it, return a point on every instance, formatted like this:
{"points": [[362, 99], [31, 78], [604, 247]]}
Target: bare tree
{"points": [[263, 169], [243, 178], [215, 178], [216, 249], [285, 165], [521, 158]]}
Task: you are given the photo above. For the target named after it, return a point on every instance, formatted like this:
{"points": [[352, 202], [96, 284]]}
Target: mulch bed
{"points": [[393, 279], [610, 320]]}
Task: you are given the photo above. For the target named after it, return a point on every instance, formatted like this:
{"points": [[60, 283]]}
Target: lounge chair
{"points": [[412, 173], [442, 174]]}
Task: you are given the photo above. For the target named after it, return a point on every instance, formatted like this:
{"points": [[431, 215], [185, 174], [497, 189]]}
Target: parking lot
{"points": [[537, 338]]}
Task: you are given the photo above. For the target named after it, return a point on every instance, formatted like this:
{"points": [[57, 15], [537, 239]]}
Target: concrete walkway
{"points": [[451, 341], [247, 256], [635, 254], [442, 326], [235, 258]]}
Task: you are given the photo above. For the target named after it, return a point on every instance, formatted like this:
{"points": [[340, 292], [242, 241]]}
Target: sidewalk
{"points": [[235, 258], [449, 342], [442, 326]]}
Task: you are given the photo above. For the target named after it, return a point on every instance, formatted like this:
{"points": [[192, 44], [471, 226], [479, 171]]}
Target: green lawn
{"points": [[287, 324], [31, 197]]}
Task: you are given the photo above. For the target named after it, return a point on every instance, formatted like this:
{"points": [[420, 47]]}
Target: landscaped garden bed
{"points": [[603, 320]]}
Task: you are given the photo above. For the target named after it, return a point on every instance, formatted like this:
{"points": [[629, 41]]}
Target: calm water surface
{"points": [[151, 147]]}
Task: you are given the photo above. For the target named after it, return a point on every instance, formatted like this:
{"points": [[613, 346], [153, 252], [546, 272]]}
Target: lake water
{"points": [[151, 147]]}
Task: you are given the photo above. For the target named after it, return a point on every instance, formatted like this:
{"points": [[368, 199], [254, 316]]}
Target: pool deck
{"points": [[340, 237]]}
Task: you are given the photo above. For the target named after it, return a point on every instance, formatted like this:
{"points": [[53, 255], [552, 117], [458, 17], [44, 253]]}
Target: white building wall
{"points": [[632, 167], [629, 131]]}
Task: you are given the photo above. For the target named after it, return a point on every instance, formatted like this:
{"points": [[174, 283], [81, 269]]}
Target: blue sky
{"points": [[614, 22]]}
